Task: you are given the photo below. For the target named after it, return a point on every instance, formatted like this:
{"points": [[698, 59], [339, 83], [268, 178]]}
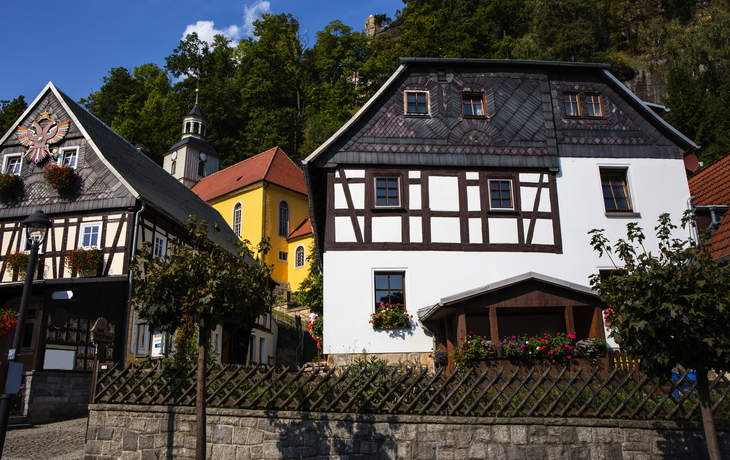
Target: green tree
{"points": [[10, 111], [210, 70], [198, 282], [139, 107], [272, 84], [669, 309]]}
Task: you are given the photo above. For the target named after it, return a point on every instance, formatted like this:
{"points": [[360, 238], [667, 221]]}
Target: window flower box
{"points": [[8, 321], [390, 316], [61, 178], [10, 185], [560, 348], [17, 262], [84, 262]]}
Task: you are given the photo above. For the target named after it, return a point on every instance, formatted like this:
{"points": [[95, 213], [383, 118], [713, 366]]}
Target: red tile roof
{"points": [[711, 186], [304, 229], [273, 166]]}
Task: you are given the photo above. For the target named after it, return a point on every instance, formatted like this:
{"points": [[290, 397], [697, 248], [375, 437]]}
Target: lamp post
{"points": [[36, 226]]}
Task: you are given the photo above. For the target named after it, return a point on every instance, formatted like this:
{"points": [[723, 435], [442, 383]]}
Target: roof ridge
{"points": [[271, 161]]}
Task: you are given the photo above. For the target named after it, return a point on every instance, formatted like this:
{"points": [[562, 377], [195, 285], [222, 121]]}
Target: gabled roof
{"points": [[305, 228], [272, 166], [426, 312], [711, 186], [142, 178]]}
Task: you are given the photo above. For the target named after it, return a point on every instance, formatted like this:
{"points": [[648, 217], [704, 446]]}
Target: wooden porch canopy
{"points": [[528, 304]]}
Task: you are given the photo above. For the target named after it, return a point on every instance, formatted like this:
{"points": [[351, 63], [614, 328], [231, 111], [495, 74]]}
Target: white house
{"points": [[466, 190]]}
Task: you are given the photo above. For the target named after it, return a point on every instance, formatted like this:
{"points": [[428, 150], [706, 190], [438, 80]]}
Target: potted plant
{"points": [[61, 178], [472, 347], [8, 321], [84, 262], [17, 262], [390, 316], [9, 185]]}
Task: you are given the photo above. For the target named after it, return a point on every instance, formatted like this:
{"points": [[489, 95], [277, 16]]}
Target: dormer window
{"points": [[472, 105], [572, 105], [594, 104], [416, 102], [11, 164], [68, 157]]}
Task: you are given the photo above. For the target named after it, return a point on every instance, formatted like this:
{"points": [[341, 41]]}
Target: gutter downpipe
{"points": [[128, 307], [695, 232]]}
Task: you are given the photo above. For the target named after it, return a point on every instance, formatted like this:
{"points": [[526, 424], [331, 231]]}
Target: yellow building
{"points": [[265, 196]]}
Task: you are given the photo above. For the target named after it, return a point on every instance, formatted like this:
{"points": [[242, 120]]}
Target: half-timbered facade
{"points": [[119, 200], [465, 190]]}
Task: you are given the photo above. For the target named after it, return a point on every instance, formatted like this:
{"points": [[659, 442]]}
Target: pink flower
{"points": [[569, 357], [572, 336]]}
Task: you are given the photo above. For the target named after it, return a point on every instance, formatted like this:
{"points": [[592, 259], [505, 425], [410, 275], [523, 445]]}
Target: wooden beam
{"points": [[569, 320], [494, 328], [460, 325]]}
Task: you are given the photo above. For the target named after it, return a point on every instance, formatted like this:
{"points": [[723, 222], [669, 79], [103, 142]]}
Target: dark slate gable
{"points": [[525, 127], [154, 185], [114, 174]]}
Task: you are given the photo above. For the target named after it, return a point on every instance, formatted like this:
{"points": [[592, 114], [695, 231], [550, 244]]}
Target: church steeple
{"points": [[194, 123], [192, 158]]}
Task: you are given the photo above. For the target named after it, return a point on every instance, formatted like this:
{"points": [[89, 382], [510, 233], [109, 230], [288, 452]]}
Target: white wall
{"points": [[656, 186]]}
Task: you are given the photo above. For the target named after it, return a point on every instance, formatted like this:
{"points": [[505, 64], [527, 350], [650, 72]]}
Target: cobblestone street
{"points": [[54, 441]]}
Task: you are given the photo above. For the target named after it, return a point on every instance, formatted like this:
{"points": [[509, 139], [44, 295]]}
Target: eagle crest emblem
{"points": [[42, 132]]}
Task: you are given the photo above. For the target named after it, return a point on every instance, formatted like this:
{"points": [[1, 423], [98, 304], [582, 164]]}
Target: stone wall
{"points": [[51, 396], [139, 432]]}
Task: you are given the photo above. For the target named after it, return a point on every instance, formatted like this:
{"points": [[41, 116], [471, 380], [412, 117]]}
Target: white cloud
{"points": [[206, 29], [251, 13]]}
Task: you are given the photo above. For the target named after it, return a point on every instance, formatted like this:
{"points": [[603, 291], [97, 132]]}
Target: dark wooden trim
{"points": [[351, 207], [524, 234], [460, 325], [569, 320], [115, 243]]}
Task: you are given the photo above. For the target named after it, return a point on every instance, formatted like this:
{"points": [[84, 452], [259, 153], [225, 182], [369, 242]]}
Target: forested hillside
{"points": [[284, 88]]}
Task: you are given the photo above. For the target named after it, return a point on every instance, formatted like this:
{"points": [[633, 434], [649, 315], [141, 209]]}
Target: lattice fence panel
{"points": [[506, 392]]}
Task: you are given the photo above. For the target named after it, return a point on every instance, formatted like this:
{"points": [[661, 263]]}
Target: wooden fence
{"points": [[509, 392]]}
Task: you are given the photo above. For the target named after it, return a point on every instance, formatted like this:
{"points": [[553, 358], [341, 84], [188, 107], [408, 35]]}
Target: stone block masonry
{"points": [[149, 432], [55, 395], [146, 432]]}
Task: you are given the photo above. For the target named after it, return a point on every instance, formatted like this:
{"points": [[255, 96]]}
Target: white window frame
{"points": [[252, 349], [163, 246], [25, 244], [263, 358], [511, 194], [82, 227], [406, 106], [237, 220], [11, 156], [62, 156], [284, 224], [297, 263], [141, 337], [283, 256]]}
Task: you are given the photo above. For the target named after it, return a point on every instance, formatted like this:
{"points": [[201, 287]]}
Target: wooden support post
{"points": [[569, 320], [494, 329]]}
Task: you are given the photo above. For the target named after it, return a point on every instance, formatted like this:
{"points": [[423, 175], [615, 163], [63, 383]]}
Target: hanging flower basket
{"points": [[61, 178], [390, 316], [17, 262], [9, 185], [84, 262], [8, 321]]}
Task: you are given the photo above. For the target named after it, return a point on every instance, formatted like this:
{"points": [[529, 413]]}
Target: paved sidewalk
{"points": [[54, 441]]}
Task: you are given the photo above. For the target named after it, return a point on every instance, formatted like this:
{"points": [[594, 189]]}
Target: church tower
{"points": [[192, 158]]}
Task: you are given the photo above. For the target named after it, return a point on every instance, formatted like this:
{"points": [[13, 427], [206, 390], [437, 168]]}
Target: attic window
{"points": [[594, 104], [472, 105], [416, 102], [572, 105]]}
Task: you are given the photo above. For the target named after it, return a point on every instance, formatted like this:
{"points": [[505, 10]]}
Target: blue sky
{"points": [[75, 43]]}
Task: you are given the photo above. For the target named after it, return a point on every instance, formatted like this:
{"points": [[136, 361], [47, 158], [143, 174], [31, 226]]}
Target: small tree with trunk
{"points": [[199, 283], [668, 309]]}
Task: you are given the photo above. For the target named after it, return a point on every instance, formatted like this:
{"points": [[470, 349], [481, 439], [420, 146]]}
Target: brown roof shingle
{"points": [[711, 186], [273, 166]]}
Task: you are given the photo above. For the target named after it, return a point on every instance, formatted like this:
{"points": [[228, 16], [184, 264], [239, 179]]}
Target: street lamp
{"points": [[36, 228]]}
